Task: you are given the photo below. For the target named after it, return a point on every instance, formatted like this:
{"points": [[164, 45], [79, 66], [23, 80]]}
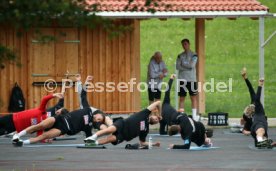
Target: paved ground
{"points": [[233, 154]]}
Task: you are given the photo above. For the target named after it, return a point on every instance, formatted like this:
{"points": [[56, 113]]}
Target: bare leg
{"points": [[47, 123], [52, 133], [181, 102], [194, 101], [108, 139], [260, 133]]}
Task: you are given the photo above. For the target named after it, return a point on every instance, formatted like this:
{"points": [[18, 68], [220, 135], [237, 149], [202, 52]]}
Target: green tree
{"points": [[24, 15]]}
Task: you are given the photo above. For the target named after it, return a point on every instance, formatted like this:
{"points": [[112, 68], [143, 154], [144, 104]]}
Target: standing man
{"points": [[186, 65], [157, 70]]}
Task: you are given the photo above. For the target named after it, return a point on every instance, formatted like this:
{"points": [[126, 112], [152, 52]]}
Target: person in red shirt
{"points": [[21, 120]]}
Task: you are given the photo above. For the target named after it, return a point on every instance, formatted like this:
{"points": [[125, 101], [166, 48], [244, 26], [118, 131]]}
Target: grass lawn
{"points": [[230, 45]]}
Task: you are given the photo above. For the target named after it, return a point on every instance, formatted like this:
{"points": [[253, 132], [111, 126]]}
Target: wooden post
{"points": [[135, 53], [261, 54], [200, 49]]}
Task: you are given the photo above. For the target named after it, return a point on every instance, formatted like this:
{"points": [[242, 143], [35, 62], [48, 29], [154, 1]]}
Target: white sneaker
{"points": [[90, 140], [15, 138], [235, 125], [196, 118]]}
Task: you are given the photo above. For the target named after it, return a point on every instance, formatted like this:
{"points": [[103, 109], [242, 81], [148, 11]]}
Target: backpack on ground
{"points": [[17, 101]]}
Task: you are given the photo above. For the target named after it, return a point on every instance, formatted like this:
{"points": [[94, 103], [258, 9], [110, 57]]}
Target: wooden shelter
{"points": [[115, 60]]}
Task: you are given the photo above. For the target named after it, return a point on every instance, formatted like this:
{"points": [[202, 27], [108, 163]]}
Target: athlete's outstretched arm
{"points": [[168, 92], [249, 85], [45, 100], [154, 105], [84, 100]]}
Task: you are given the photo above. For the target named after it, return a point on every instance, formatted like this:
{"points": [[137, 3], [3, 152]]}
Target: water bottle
{"points": [[150, 142]]}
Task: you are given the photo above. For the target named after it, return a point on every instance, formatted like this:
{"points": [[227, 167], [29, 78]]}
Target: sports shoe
{"points": [[262, 144], [89, 140], [15, 138], [90, 144], [18, 143], [269, 143]]}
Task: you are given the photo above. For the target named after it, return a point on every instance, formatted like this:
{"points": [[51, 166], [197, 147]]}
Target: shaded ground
{"points": [[234, 154]]}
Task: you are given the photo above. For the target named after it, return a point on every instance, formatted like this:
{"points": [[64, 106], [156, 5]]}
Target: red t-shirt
{"points": [[26, 118]]}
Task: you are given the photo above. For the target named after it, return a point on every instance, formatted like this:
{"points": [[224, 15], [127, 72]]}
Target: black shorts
{"points": [[60, 124], [119, 134], [184, 87], [154, 94], [6, 124]]}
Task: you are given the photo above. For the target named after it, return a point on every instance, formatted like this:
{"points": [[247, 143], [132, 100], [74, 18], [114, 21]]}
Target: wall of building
{"points": [[81, 51]]}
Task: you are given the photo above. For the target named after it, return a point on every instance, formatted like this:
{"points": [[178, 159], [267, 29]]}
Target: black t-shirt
{"points": [[58, 106], [187, 134], [137, 125], [169, 114], [81, 120], [198, 137]]}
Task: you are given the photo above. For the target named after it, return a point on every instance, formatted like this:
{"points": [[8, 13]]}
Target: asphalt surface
{"points": [[233, 154]]}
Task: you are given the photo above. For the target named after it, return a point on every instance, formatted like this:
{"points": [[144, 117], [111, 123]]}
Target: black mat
{"points": [[252, 147], [91, 147]]}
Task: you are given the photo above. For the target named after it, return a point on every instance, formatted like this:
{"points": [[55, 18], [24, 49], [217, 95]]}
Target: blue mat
{"points": [[252, 147], [196, 148], [53, 145], [64, 145], [92, 147]]}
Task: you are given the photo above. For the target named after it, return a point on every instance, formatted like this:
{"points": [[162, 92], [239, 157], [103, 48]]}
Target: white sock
{"points": [[194, 114], [22, 133], [97, 142], [26, 142], [259, 139], [94, 136]]}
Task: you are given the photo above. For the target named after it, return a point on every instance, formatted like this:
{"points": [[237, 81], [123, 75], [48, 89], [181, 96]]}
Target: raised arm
{"points": [[59, 105], [45, 100], [84, 102], [259, 91], [79, 88], [249, 85], [168, 91], [154, 106], [258, 105]]}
